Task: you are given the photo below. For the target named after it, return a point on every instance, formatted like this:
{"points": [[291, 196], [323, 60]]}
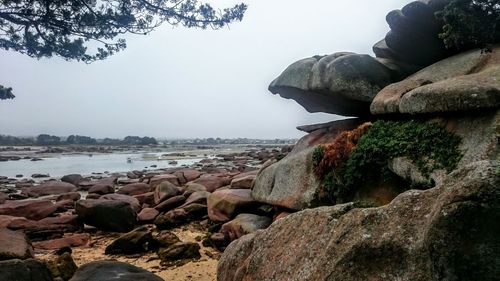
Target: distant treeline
{"points": [[47, 140]]}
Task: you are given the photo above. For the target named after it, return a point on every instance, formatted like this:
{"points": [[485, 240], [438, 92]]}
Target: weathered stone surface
{"points": [[171, 203], [109, 215], [133, 202], [147, 198], [180, 251], [164, 191], [413, 38], [102, 188], [244, 224], [74, 240], [134, 189], [181, 216], [113, 270], [245, 182], [289, 183], [223, 205], [49, 188], [199, 197], [74, 179], [156, 180], [343, 84], [24, 270], [30, 209], [74, 196], [63, 266], [191, 187], [47, 228], [187, 175], [136, 241], [213, 182], [449, 232], [14, 245], [147, 215], [166, 239], [465, 82]]}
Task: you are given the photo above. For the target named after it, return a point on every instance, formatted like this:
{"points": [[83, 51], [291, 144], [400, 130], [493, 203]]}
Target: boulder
{"points": [[14, 245], [165, 239], [30, 209], [468, 81], [147, 215], [213, 182], [413, 38], [62, 266], [193, 187], [108, 215], [164, 191], [133, 202], [136, 241], [244, 224], [49, 188], [102, 188], [181, 216], [449, 232], [171, 203], [223, 205], [24, 270], [245, 182], [113, 270], [180, 252], [134, 189], [341, 83], [289, 183], [156, 180], [73, 240], [199, 197], [147, 198], [74, 179], [74, 196], [186, 175]]}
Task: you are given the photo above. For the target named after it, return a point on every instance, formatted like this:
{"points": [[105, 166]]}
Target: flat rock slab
{"points": [[113, 270], [14, 245]]}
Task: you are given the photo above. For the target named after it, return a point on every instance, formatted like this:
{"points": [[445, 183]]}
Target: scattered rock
{"points": [[166, 239], [134, 189], [180, 252], [30, 209], [24, 270], [181, 216], [156, 180], [113, 270], [74, 179], [133, 202], [243, 182], [223, 205], [213, 182], [14, 245], [74, 196], [74, 240], [63, 266], [244, 224], [102, 188], [49, 188], [171, 203], [109, 215], [138, 240], [147, 215], [165, 190]]}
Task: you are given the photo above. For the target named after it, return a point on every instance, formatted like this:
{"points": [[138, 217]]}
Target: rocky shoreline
{"points": [[169, 222]]}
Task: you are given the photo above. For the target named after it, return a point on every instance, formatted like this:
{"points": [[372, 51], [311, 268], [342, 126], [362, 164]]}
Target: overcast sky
{"points": [[179, 82]]}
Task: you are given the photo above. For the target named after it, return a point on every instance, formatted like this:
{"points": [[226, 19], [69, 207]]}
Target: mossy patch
{"points": [[428, 145]]}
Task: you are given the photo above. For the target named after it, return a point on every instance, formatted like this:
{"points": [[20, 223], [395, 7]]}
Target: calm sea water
{"points": [[85, 164]]}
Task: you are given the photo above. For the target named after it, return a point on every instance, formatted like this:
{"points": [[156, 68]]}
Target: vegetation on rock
{"points": [[356, 159], [470, 23]]}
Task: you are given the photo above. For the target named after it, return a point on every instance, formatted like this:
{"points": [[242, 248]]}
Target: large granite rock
{"points": [[30, 209], [14, 245], [413, 38], [49, 188], [109, 215], [469, 81], [341, 83], [449, 232], [113, 270], [24, 270]]}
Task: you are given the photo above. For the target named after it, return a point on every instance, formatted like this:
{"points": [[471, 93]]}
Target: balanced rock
{"points": [[342, 83], [109, 215], [113, 270], [444, 233]]}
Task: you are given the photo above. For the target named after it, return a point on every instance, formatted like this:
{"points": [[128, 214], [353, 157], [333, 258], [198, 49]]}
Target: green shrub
{"points": [[470, 23]]}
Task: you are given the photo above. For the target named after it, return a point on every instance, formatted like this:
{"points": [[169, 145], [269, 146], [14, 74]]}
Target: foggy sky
{"points": [[179, 82]]}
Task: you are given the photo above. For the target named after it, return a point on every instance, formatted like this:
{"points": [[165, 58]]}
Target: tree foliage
{"points": [[6, 93], [470, 23], [66, 28]]}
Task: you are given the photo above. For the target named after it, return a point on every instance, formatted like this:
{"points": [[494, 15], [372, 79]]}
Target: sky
{"points": [[187, 83]]}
